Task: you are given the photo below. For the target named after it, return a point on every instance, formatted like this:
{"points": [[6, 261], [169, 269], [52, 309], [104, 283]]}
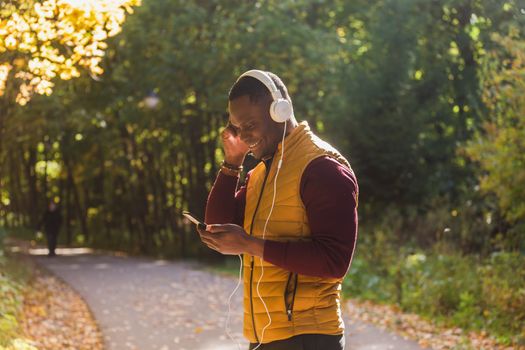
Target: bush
{"points": [[433, 284], [13, 280], [503, 293], [452, 289]]}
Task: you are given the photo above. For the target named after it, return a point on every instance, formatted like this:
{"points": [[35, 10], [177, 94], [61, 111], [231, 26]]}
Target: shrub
{"points": [[457, 290]]}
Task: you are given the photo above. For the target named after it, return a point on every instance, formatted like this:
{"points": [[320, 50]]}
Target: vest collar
{"points": [[294, 137]]}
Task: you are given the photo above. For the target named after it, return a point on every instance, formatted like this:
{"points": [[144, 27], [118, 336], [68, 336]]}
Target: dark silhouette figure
{"points": [[51, 220]]}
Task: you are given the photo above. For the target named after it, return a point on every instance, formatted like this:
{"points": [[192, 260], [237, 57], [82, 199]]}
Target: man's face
{"points": [[253, 124]]}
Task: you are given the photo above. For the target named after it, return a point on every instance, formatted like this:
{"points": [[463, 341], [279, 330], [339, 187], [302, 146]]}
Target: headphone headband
{"points": [[281, 109], [264, 78]]}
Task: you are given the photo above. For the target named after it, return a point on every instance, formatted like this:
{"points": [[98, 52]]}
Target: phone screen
{"points": [[189, 216]]}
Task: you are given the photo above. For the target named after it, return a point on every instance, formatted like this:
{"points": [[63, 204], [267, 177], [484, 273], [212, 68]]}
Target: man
{"points": [[51, 220], [298, 241]]}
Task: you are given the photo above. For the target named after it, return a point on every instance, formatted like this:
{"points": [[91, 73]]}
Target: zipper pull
{"points": [[289, 312]]}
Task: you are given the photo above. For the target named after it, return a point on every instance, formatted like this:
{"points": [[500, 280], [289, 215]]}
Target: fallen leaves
{"points": [[57, 318], [424, 332]]}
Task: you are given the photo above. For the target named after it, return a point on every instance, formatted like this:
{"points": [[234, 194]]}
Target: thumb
{"points": [[214, 228]]}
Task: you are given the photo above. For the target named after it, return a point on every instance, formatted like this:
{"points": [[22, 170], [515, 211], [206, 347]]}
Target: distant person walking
{"points": [[51, 220]]}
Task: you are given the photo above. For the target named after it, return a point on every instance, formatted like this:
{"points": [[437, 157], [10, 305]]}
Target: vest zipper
{"points": [[251, 301], [293, 297], [252, 260], [289, 307]]}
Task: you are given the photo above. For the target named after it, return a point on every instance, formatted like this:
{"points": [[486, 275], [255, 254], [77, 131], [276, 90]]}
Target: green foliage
{"points": [[465, 291], [395, 85], [499, 147], [503, 292], [401, 89], [124, 166], [440, 285], [13, 282]]}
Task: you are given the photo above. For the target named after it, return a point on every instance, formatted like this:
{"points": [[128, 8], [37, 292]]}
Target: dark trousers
{"points": [[51, 237], [305, 342]]}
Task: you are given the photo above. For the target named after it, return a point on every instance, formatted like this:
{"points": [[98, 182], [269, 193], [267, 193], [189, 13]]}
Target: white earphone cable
{"points": [[227, 329], [264, 234], [227, 326]]}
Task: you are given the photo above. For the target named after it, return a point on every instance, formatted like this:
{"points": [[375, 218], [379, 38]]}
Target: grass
{"points": [[454, 290], [14, 281]]}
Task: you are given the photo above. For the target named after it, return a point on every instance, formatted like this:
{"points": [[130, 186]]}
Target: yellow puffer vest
{"points": [[298, 304]]}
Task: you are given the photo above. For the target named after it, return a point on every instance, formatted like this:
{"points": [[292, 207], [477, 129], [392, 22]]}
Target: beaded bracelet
{"points": [[230, 169], [230, 172], [227, 165]]}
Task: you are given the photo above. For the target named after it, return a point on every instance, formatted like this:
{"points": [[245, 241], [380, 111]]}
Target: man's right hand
{"points": [[234, 148]]}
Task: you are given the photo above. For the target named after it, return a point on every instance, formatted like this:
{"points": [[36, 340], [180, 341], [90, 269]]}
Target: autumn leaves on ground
{"points": [[39, 311], [55, 317], [51, 315]]}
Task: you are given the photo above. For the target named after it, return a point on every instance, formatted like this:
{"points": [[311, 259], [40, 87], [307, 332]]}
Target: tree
{"points": [[410, 92], [499, 147], [42, 40]]}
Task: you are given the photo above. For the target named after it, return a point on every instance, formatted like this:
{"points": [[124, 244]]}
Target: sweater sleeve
{"points": [[329, 192], [225, 203]]}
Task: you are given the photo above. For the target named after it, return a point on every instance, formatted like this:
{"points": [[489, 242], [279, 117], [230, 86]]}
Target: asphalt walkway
{"points": [[148, 304]]}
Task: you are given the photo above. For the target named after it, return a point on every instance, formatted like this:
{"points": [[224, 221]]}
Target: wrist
{"points": [[255, 246], [230, 172], [236, 162], [230, 169]]}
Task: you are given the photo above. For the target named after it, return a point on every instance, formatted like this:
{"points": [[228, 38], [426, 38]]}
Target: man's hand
{"points": [[230, 239], [234, 148]]}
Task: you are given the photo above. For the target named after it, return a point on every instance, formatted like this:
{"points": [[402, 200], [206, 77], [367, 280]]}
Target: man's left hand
{"points": [[229, 239]]}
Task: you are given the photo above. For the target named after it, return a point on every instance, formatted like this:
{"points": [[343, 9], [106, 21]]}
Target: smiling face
{"points": [[252, 122]]}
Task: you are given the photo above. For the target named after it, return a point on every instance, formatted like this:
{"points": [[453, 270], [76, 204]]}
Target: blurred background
{"points": [[113, 111]]}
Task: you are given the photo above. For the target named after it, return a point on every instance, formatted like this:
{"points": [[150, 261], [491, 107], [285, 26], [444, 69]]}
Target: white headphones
{"points": [[281, 109]]}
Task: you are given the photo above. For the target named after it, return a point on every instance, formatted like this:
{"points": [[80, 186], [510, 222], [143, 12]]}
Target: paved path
{"points": [[159, 305]]}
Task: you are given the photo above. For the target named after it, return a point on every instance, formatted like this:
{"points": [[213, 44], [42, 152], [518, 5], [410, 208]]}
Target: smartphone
{"points": [[200, 224]]}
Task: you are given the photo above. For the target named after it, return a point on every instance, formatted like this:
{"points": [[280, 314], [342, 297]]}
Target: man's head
{"points": [[249, 106], [52, 206]]}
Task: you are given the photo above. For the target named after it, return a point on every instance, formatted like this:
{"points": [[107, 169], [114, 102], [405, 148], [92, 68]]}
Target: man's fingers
{"points": [[207, 237], [230, 129], [210, 240], [229, 134], [215, 228], [204, 235], [207, 240], [210, 243]]}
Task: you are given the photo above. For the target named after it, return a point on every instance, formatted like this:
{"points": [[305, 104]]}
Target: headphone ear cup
{"points": [[281, 110]]}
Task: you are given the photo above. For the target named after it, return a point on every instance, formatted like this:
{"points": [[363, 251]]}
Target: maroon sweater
{"points": [[329, 193]]}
